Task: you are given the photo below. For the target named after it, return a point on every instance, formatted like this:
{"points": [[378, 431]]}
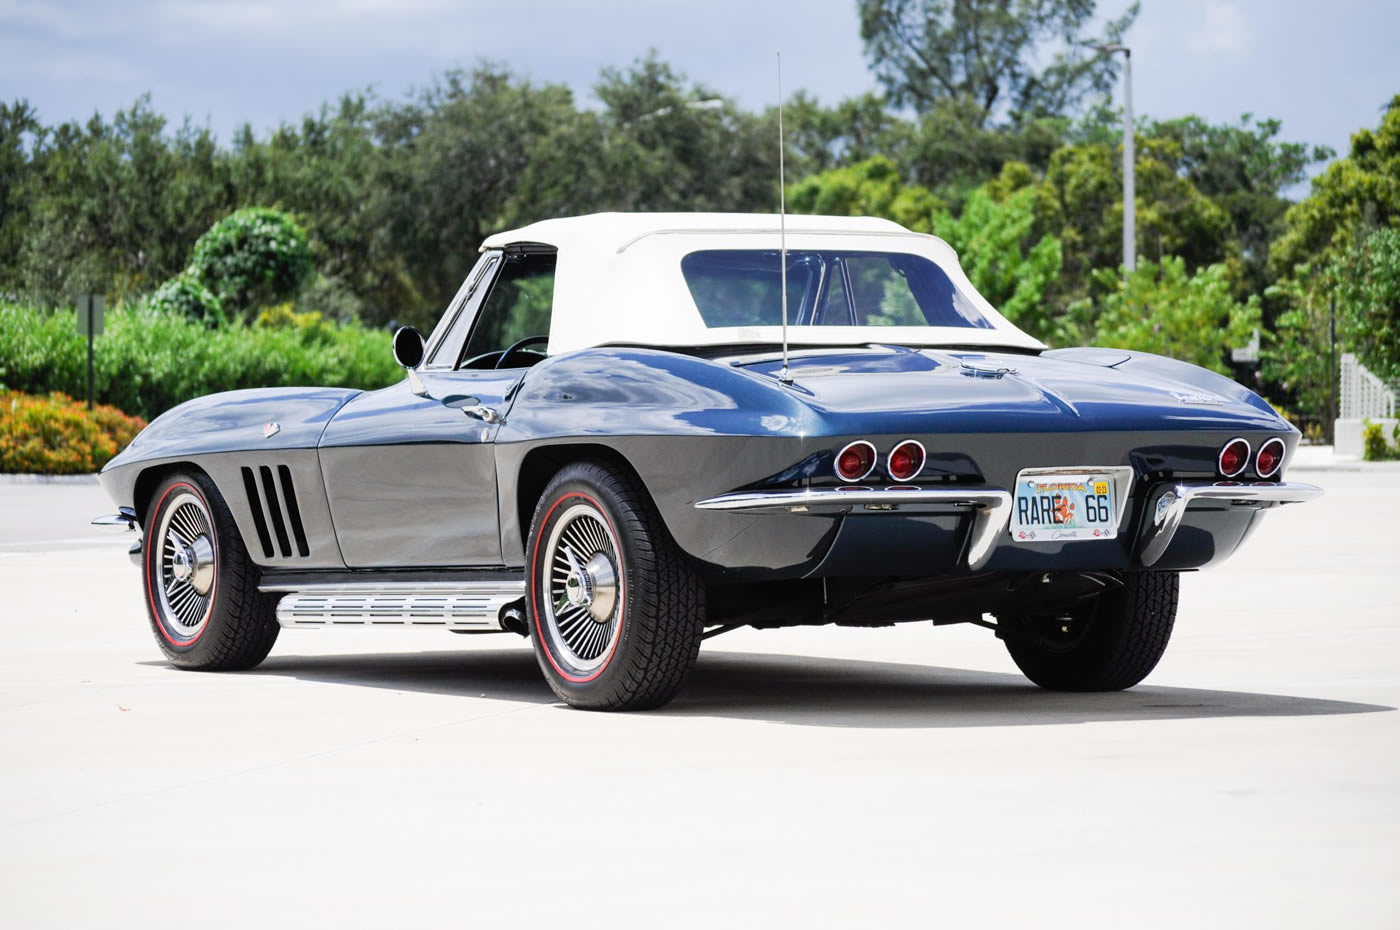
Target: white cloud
{"points": [[1222, 30]]}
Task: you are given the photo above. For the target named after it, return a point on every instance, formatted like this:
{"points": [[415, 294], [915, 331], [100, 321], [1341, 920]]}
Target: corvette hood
{"points": [[1066, 390]]}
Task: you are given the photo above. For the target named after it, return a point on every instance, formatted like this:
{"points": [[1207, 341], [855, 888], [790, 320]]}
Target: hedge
{"points": [[147, 361]]}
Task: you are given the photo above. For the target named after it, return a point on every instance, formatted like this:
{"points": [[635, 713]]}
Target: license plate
{"points": [[1052, 507]]}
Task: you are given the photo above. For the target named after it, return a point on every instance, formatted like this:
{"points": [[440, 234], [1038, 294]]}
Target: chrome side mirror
{"points": [[408, 352], [408, 347]]}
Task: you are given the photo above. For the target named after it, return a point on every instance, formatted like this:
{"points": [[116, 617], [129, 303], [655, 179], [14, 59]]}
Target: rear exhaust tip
{"points": [[513, 619]]}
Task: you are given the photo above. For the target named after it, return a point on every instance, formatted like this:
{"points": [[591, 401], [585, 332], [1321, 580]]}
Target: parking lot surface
{"points": [[824, 777]]}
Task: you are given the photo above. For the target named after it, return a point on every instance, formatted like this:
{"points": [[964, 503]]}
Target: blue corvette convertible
{"points": [[619, 440]]}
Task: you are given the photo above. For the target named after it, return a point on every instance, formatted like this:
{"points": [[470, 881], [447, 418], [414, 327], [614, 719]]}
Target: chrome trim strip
{"points": [[991, 506], [1282, 453], [874, 460], [923, 459], [465, 605], [1220, 459], [1168, 507]]}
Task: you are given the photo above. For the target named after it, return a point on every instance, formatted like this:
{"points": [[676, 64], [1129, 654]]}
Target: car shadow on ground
{"points": [[815, 691]]}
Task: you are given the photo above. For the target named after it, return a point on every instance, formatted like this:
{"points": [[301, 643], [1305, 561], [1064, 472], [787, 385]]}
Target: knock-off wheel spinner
{"points": [[187, 569], [581, 613]]}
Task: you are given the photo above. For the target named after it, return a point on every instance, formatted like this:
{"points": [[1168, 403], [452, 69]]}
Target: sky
{"points": [[1324, 69]]}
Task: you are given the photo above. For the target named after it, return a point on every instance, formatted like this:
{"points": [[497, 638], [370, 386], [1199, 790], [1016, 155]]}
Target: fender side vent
{"points": [[276, 516], [289, 495], [255, 505]]}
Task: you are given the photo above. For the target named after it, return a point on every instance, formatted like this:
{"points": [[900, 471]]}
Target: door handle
{"points": [[483, 413]]}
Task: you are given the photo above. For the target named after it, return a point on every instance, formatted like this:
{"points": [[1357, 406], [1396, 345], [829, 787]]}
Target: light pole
{"points": [[1129, 201]]}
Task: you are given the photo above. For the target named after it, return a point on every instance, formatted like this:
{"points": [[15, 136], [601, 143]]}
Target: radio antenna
{"points": [[783, 376]]}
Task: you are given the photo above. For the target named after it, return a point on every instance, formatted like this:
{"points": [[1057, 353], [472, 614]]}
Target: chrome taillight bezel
{"points": [[923, 460], [874, 460], [1278, 464], [1244, 459]]}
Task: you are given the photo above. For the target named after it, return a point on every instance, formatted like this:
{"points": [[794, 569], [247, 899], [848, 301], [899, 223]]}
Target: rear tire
{"points": [[202, 593], [616, 611], [1107, 644]]}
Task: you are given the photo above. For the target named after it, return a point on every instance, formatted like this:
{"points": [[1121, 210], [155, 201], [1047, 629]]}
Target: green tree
{"points": [[822, 138], [1081, 203], [661, 142], [253, 258], [451, 161], [1009, 264], [868, 188], [952, 153], [988, 53], [1245, 169], [1354, 195], [325, 170], [1298, 362], [119, 204], [1329, 257], [19, 128], [1369, 298]]}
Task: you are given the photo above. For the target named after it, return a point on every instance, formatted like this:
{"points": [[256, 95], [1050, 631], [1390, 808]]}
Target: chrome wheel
{"points": [[583, 609], [187, 571]]}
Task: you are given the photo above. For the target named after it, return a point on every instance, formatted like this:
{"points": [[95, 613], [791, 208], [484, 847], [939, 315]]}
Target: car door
{"points": [[410, 470]]}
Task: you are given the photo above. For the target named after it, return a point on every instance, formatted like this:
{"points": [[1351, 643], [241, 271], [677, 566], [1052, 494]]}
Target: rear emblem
{"points": [[1191, 398], [271, 429]]}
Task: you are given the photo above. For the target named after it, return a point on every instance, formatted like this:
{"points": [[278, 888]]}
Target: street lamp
{"points": [[1129, 202]]}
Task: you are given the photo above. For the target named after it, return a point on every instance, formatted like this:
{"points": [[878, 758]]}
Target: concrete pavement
{"points": [[893, 777]]}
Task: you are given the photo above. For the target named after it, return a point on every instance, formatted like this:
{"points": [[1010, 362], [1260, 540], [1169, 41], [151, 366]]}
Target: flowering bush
{"points": [[252, 258], [56, 435], [185, 296]]}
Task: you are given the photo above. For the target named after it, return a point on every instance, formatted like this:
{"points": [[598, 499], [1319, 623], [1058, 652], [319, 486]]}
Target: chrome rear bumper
{"points": [[1169, 506], [991, 508]]}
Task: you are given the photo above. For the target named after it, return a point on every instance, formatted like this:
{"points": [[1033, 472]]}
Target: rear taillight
{"points": [[1270, 458], [906, 460], [855, 461], [1234, 457]]}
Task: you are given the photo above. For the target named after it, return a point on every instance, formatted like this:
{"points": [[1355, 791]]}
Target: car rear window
{"points": [[742, 287]]}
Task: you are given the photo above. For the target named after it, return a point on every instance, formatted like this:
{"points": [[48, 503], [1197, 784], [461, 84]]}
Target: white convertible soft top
{"points": [[619, 281]]}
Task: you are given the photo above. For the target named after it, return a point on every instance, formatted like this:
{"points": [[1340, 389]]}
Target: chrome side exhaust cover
{"points": [[464, 606]]}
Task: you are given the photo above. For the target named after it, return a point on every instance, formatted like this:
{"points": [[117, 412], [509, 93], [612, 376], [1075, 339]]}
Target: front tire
{"points": [[1107, 644], [202, 593], [616, 611]]}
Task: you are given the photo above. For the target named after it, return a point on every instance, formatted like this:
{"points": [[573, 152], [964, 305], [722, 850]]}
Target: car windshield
{"points": [[742, 287]]}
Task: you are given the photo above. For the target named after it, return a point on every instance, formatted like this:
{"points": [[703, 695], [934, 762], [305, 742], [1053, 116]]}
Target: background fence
{"points": [[1363, 394]]}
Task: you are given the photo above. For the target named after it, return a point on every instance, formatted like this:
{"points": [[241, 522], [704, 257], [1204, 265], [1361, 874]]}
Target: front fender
{"points": [[220, 434]]}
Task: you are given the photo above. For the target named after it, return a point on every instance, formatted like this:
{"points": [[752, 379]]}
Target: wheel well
{"points": [[542, 464], [150, 479]]}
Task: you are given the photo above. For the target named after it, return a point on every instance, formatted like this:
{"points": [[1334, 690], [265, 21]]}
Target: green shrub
{"points": [[252, 258], [55, 435], [147, 361], [184, 295], [1374, 447]]}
